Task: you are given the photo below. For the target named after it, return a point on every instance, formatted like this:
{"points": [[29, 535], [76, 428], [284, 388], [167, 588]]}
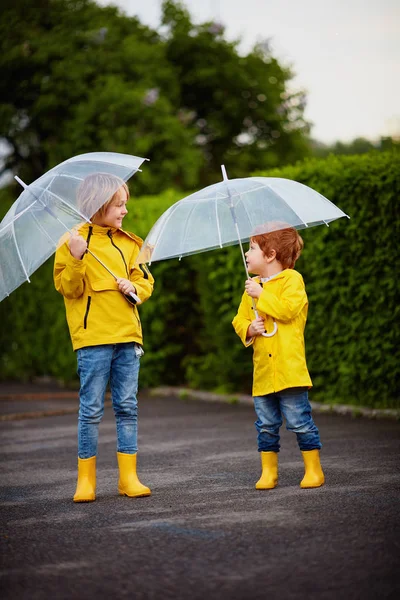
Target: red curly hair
{"points": [[286, 242]]}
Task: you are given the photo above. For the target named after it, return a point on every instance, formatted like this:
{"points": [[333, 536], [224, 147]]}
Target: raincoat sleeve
{"points": [[143, 281], [242, 321], [68, 273], [288, 304]]}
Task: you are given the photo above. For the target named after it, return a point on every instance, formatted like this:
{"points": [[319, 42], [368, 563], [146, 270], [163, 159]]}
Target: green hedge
{"points": [[350, 273]]}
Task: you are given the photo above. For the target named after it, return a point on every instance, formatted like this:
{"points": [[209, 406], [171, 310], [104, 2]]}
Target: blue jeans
{"points": [[98, 365], [292, 404]]}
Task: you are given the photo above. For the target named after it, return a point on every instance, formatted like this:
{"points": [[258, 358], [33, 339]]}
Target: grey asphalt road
{"points": [[205, 533]]}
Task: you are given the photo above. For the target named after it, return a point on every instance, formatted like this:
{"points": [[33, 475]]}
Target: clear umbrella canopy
{"points": [[63, 198], [231, 212]]}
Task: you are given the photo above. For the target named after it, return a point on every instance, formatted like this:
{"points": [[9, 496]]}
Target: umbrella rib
{"points": [[103, 161], [263, 186], [44, 231], [40, 226], [70, 176], [19, 253], [187, 227], [17, 216], [75, 210], [174, 207], [288, 205], [217, 220], [107, 162], [248, 216], [330, 202]]}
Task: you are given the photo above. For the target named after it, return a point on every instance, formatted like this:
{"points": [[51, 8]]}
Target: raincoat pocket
{"points": [[105, 285]]}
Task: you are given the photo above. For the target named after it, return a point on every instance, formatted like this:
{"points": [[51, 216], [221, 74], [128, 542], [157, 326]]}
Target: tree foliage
{"points": [[359, 145], [245, 115], [77, 77]]}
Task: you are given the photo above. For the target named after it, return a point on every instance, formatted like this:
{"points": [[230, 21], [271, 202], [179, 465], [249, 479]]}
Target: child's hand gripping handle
{"points": [[125, 286], [254, 290], [79, 245], [136, 298], [265, 334]]}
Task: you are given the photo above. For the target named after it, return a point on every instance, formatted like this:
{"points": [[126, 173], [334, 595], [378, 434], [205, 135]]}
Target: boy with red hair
{"points": [[280, 378]]}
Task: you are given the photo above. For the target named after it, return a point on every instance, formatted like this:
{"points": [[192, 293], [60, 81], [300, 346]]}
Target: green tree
{"points": [[245, 115], [77, 77], [359, 145]]}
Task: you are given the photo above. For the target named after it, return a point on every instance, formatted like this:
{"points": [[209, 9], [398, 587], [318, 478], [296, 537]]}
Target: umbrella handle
{"points": [[136, 298], [265, 334], [273, 332]]}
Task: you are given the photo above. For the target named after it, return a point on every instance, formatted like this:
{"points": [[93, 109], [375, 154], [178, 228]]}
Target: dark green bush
{"points": [[350, 273]]}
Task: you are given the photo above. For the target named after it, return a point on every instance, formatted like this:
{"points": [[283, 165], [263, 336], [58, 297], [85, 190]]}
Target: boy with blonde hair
{"points": [[105, 327], [281, 379]]}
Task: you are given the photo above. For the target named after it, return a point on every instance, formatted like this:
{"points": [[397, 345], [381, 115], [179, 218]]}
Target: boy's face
{"points": [[116, 211], [255, 259]]}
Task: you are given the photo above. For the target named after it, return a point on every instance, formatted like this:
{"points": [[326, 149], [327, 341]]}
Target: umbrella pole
{"points": [[275, 329], [242, 251], [233, 213], [245, 265], [134, 296]]}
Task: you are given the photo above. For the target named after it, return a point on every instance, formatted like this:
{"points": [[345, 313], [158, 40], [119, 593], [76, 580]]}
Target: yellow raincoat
{"points": [[97, 312], [279, 361]]}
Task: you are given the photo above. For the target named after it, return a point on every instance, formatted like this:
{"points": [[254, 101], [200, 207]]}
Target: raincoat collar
{"points": [[279, 275], [265, 279], [100, 230]]}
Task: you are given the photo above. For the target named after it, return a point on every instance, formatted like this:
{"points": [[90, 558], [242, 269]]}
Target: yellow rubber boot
{"points": [[313, 474], [129, 484], [269, 475], [86, 486]]}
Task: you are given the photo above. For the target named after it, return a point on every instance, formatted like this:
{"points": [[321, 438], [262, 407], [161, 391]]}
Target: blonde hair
{"points": [[97, 191]]}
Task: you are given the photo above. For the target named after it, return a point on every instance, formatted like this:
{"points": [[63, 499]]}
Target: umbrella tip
{"points": [[225, 176], [20, 182]]}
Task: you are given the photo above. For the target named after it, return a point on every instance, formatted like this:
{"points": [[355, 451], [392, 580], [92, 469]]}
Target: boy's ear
{"points": [[271, 256]]}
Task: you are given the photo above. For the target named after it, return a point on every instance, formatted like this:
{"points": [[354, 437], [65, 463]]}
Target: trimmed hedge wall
{"points": [[349, 269]]}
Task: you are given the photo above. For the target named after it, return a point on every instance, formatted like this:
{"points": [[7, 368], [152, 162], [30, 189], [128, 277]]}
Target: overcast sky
{"points": [[345, 53]]}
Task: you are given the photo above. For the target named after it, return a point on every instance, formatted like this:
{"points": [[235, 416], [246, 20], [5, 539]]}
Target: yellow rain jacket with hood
{"points": [[279, 361], [97, 312]]}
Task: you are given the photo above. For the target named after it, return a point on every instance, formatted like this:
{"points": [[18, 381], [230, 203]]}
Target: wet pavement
{"points": [[205, 532]]}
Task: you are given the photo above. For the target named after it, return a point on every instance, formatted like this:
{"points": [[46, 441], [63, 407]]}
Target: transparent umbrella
{"points": [[49, 207], [230, 212]]}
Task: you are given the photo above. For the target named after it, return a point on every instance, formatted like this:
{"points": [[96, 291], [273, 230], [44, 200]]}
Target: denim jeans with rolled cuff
{"points": [[294, 406], [98, 365]]}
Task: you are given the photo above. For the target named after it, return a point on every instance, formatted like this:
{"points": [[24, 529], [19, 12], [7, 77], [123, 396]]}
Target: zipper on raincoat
{"points": [[145, 271], [109, 233], [89, 235], [89, 300]]}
